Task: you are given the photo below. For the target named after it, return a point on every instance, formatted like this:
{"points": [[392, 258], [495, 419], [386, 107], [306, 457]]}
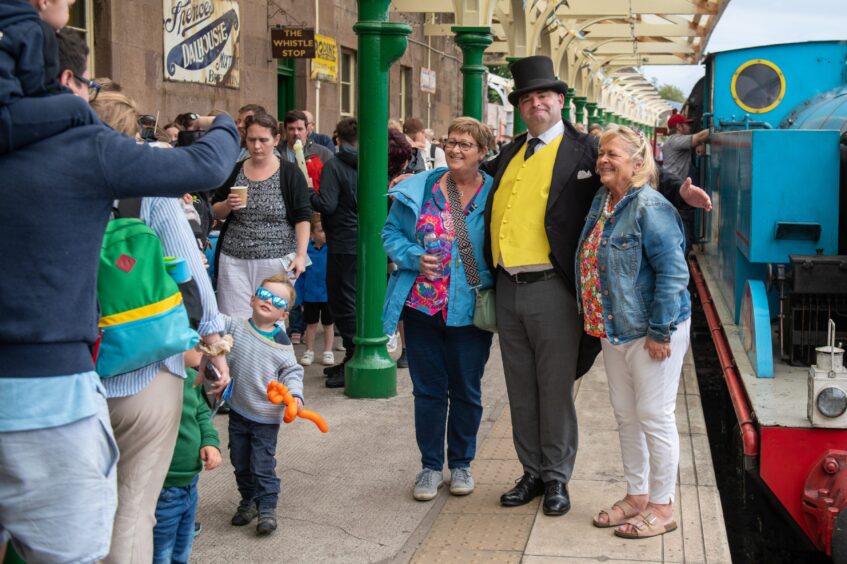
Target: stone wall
{"points": [[129, 49]]}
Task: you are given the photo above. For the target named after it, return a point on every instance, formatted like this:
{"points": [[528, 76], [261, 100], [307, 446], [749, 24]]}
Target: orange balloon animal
{"points": [[278, 393]]}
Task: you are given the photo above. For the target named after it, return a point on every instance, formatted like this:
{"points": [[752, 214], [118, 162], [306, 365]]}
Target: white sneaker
{"points": [[328, 359], [392, 342], [308, 358], [461, 481]]}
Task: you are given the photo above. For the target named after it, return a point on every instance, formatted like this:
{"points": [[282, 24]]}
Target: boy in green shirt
{"points": [[197, 443]]}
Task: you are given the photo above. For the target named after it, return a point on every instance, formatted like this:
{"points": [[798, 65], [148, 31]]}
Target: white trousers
{"points": [[643, 395], [238, 280]]}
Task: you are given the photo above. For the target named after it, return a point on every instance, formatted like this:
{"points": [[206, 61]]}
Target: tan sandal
{"points": [[646, 526], [629, 511]]}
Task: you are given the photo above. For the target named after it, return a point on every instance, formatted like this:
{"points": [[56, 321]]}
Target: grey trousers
{"points": [[539, 340]]}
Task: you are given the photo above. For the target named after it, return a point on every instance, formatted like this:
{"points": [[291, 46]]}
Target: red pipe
{"points": [[740, 401]]}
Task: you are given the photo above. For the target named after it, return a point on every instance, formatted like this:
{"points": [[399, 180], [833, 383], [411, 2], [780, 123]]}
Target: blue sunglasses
{"points": [[276, 301]]}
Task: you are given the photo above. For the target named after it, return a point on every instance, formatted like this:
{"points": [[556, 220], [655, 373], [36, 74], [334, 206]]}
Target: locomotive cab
{"points": [[775, 250]]}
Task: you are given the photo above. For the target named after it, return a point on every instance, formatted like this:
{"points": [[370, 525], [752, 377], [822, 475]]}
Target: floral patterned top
{"points": [[430, 296], [589, 278]]}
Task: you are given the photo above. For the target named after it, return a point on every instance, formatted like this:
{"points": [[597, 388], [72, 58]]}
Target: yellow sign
{"points": [[325, 63]]}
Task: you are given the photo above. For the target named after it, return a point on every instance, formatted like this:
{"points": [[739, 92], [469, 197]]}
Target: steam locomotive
{"points": [[770, 269]]}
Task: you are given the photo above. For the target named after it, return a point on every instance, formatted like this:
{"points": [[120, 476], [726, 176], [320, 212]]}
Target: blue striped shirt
{"points": [[166, 218]]}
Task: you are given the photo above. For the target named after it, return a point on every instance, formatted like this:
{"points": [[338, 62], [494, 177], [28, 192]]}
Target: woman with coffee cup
{"points": [[265, 203]]}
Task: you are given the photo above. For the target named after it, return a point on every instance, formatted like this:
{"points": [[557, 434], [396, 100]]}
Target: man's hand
{"points": [[695, 196], [211, 456], [398, 179], [657, 351]]}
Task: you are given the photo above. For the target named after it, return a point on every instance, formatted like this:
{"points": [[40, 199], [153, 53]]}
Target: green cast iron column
{"points": [[599, 117], [579, 102], [591, 112], [518, 126], [566, 109], [473, 42], [371, 373]]}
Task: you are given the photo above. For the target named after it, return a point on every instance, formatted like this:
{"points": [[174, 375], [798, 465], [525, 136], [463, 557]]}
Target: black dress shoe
{"points": [[557, 501], [526, 489]]}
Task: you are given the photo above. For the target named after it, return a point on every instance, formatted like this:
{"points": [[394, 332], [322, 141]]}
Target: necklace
{"points": [[451, 183], [608, 208]]}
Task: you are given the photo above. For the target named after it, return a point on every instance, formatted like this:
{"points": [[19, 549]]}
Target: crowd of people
{"points": [[577, 234]]}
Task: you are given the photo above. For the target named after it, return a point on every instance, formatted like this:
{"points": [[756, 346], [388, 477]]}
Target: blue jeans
{"points": [[446, 365], [252, 451], [173, 534]]}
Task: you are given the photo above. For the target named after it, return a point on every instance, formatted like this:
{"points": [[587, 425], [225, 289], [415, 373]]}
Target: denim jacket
{"points": [[642, 265], [398, 238]]}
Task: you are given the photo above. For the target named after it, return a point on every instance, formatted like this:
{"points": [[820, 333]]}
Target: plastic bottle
{"points": [[432, 246]]}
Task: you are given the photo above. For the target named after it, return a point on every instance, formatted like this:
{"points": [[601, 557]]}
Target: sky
{"points": [[747, 23]]}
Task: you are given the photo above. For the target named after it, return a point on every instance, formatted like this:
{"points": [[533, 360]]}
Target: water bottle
{"points": [[432, 246]]}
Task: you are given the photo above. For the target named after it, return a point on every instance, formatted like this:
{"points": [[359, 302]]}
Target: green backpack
{"points": [[142, 316]]}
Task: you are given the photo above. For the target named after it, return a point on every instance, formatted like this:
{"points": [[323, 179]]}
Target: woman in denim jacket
{"points": [[632, 288], [429, 291]]}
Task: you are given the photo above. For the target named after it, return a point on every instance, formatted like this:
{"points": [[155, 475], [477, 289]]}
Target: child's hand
{"points": [[211, 456], [299, 403]]}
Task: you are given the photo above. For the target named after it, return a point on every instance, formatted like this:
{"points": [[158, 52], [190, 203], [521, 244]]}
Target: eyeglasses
{"points": [[93, 87], [463, 145], [264, 295]]}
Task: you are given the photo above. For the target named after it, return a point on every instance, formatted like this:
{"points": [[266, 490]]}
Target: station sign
{"points": [[201, 41], [293, 43], [325, 63]]}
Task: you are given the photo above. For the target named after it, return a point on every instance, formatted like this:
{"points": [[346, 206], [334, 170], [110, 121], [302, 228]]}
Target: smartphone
{"points": [[212, 373]]}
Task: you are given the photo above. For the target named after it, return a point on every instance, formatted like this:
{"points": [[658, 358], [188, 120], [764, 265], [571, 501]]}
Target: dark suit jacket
{"points": [[567, 207]]}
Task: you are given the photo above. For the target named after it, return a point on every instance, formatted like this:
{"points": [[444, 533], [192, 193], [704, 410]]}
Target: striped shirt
{"points": [[166, 218], [255, 361]]}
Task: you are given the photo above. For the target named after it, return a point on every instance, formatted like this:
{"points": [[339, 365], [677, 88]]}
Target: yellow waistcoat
{"points": [[520, 203]]}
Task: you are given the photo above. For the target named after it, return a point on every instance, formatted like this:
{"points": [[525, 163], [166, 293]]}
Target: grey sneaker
{"points": [[427, 484], [461, 481]]}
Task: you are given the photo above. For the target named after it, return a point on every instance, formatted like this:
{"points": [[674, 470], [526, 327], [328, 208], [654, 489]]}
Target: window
{"points": [[82, 19], [347, 83], [405, 93], [758, 86]]}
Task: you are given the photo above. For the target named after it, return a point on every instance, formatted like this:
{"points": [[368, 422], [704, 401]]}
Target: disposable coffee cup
{"points": [[241, 192]]}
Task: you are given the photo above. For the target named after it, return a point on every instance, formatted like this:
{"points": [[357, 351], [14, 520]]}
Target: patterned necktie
{"points": [[531, 145]]}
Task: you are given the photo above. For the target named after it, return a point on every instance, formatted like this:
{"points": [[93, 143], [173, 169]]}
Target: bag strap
{"points": [[127, 208], [462, 239]]}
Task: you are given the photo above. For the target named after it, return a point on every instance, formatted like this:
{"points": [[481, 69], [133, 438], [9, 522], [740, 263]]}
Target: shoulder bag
{"points": [[484, 316]]}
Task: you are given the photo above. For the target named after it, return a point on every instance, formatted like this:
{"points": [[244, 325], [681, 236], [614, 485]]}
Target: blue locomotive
{"points": [[771, 268]]}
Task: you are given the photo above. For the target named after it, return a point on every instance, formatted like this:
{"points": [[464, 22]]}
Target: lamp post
{"points": [[371, 373]]}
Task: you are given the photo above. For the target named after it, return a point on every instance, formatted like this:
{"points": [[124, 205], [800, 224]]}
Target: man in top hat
{"points": [[533, 219], [677, 149]]}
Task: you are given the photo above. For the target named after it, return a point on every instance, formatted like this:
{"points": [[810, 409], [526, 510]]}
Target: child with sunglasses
{"points": [[261, 353]]}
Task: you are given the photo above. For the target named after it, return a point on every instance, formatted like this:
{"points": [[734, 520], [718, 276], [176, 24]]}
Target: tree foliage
{"points": [[671, 92]]}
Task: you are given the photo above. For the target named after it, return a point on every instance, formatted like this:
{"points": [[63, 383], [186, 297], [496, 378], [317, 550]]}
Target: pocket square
{"points": [[583, 174]]}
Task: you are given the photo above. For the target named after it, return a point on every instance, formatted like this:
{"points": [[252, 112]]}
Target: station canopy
{"points": [[597, 46]]}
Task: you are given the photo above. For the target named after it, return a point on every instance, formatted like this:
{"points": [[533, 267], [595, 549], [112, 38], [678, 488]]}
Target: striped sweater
{"points": [[254, 361]]}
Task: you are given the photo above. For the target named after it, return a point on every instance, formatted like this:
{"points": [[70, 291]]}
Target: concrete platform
{"points": [[347, 494]]}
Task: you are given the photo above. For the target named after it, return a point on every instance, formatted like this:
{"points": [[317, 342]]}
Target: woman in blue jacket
{"points": [[429, 291], [632, 280]]}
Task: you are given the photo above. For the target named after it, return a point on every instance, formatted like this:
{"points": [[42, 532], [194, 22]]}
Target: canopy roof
{"points": [[597, 46]]}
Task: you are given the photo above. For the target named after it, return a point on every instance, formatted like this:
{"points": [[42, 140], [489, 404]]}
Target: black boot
{"points": [[266, 524], [335, 379]]}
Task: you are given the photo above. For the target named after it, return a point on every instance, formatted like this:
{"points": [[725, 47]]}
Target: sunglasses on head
{"points": [[265, 295]]}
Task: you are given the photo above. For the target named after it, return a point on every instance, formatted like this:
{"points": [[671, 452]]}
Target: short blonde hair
{"points": [[639, 150], [283, 279], [118, 111], [473, 127]]}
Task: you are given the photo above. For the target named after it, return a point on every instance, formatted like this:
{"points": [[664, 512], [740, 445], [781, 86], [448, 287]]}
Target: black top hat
{"points": [[534, 73]]}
